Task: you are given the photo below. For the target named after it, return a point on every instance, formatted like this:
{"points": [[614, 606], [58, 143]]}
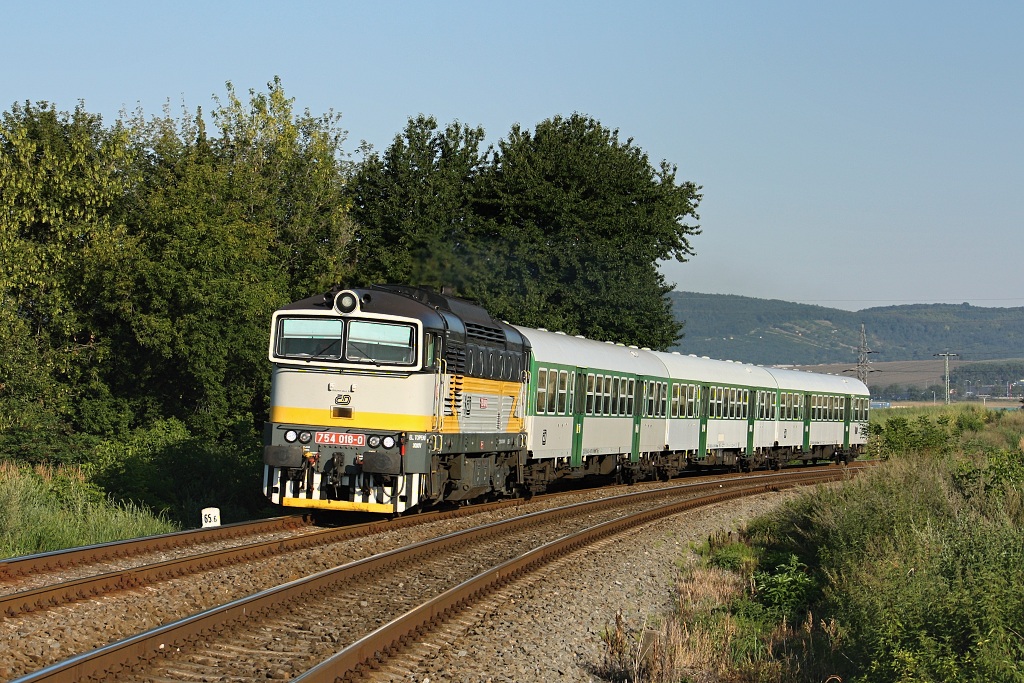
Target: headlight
{"points": [[304, 437], [290, 436], [373, 441], [345, 302], [388, 442]]}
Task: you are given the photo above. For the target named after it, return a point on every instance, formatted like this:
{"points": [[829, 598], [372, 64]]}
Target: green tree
{"points": [[561, 228], [414, 206], [581, 220], [227, 228], [63, 178]]}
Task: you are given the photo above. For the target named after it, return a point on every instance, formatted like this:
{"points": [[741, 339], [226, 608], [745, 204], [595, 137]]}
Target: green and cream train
{"points": [[391, 397]]}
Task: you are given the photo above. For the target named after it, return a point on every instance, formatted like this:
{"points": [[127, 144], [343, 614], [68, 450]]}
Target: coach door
{"points": [[751, 414], [847, 415], [705, 403], [578, 402], [636, 403], [808, 411]]}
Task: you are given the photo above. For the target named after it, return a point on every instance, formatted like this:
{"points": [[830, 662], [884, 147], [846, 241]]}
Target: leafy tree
{"points": [[62, 179], [582, 220], [561, 228], [414, 206], [227, 229]]}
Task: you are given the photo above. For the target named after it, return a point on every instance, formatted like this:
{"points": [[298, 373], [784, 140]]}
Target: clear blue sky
{"points": [[852, 154]]}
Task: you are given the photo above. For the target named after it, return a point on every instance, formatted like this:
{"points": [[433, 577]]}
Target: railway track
{"points": [[352, 615], [14, 571]]}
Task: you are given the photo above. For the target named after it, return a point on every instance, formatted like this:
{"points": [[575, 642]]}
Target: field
{"points": [[920, 373]]}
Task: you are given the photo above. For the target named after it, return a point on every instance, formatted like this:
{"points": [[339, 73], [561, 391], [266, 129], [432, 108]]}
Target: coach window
{"points": [[563, 390], [614, 396], [552, 391], [606, 407], [542, 391], [590, 394], [630, 394]]}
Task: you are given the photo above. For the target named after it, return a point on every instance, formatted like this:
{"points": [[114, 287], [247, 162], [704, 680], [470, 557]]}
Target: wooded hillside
{"points": [[770, 332]]}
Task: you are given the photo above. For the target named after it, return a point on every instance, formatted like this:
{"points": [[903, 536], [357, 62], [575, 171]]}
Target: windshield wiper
{"points": [[324, 349]]}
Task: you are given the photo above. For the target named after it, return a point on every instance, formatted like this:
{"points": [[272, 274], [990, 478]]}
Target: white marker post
{"points": [[211, 517]]}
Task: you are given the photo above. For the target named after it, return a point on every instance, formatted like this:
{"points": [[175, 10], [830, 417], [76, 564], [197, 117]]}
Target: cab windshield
{"points": [[352, 341], [371, 342]]}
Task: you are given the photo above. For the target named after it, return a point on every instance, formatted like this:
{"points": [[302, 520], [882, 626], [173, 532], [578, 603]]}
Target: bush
{"points": [[166, 468], [913, 568]]}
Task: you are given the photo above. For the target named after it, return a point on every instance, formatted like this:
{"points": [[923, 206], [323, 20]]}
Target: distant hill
{"points": [[772, 332]]}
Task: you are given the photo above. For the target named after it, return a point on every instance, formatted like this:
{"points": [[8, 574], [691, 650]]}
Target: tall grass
{"points": [[50, 508], [913, 571]]}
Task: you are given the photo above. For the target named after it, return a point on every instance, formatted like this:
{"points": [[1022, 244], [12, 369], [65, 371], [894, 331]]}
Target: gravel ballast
{"points": [[550, 628]]}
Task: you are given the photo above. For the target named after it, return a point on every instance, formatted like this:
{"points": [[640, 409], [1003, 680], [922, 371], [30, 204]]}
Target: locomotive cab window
{"points": [[310, 338], [373, 342]]}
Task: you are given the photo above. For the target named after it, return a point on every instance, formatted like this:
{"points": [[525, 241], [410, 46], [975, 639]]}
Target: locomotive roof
{"points": [[461, 319]]}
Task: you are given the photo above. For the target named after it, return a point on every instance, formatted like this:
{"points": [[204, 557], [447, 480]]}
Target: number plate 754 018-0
{"points": [[341, 439]]}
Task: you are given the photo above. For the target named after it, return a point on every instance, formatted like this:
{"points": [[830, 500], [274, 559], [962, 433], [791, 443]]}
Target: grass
{"points": [[50, 508], [910, 572]]}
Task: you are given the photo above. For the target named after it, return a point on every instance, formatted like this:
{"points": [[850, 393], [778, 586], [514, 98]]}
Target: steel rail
{"points": [[129, 653], [371, 651], [46, 597], [56, 560]]}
